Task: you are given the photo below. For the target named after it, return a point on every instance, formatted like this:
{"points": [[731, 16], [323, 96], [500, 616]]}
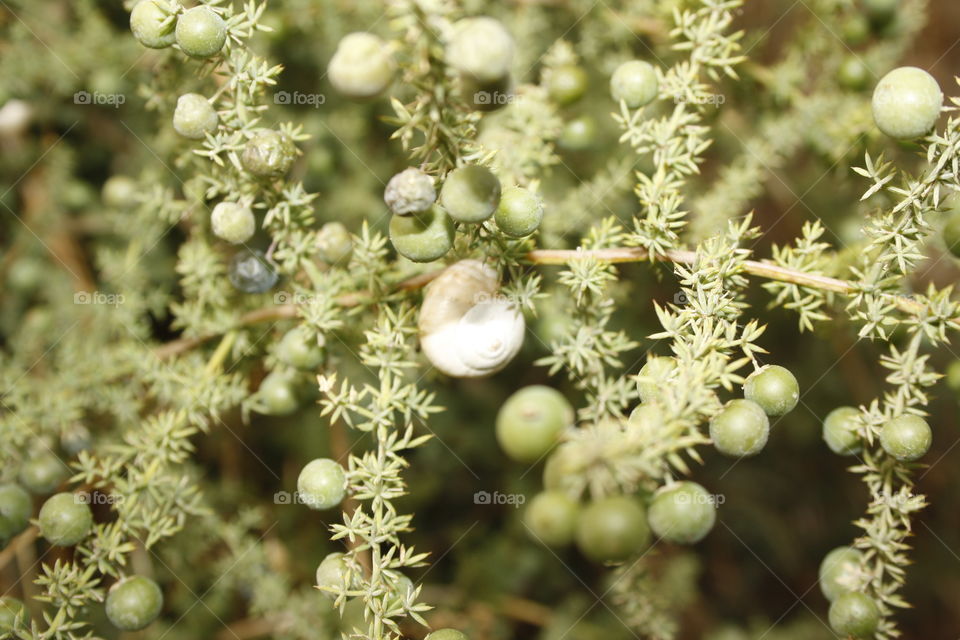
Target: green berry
{"points": [[194, 116], [951, 229], [774, 388], [881, 10], [15, 511], [635, 82], [652, 376], [233, 222], [65, 519], [531, 421], [567, 84], [906, 438], [906, 103], [152, 24], [446, 634], [612, 529], [298, 350], [361, 67], [43, 472], [322, 484], [953, 376], [740, 429], [201, 32], [133, 603], [854, 614], [841, 431], [119, 191], [409, 191], [334, 244], [519, 213], [853, 73], [13, 615], [551, 518], [855, 30], [562, 464], [75, 438], [424, 236], [268, 154], [331, 573], [470, 193], [277, 395], [480, 47], [683, 513], [578, 134], [646, 418], [835, 570]]}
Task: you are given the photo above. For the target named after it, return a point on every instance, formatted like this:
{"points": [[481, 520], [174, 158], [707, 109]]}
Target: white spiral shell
{"points": [[466, 329]]}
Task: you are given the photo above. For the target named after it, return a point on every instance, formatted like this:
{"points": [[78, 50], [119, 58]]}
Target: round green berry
{"points": [[951, 230], [578, 134], [841, 431], [635, 82], [277, 395], [854, 614], [446, 634], [551, 518], [152, 23], [531, 421], [470, 193], [740, 429], [13, 615], [855, 30], [612, 529], [906, 437], [233, 222], [424, 236], [652, 376], [119, 191], [646, 418], [75, 438], [519, 213], [953, 376], [774, 388], [322, 484], [561, 465], [480, 47], [853, 73], [906, 103], [298, 350], [332, 574], [194, 117], [567, 84], [268, 154], [201, 32], [15, 510], [43, 472], [133, 603], [65, 519], [409, 191], [334, 244], [361, 67], [836, 569], [682, 513]]}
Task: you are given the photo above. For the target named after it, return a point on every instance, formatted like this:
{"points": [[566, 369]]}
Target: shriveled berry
{"points": [[201, 32], [268, 154], [194, 116], [322, 484], [233, 222], [424, 236], [409, 191]]}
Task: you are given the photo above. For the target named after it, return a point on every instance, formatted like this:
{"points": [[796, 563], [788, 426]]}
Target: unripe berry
{"points": [[194, 116], [561, 464], [15, 510], [446, 634], [480, 47], [841, 431], [470, 194], [854, 614], [201, 32], [578, 134], [152, 24], [331, 573], [774, 388], [43, 472], [268, 154], [424, 236], [133, 603], [251, 273], [683, 513], [612, 529], [322, 484], [951, 228], [652, 376], [519, 213], [531, 421], [409, 191], [299, 351], [277, 395], [906, 103], [334, 244], [837, 565], [361, 67], [740, 429], [567, 84], [906, 438], [65, 519], [13, 615], [853, 73], [635, 82], [233, 222], [119, 191], [551, 518]]}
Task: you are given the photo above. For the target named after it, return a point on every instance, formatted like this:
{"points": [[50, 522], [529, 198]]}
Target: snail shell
{"points": [[466, 329]]}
